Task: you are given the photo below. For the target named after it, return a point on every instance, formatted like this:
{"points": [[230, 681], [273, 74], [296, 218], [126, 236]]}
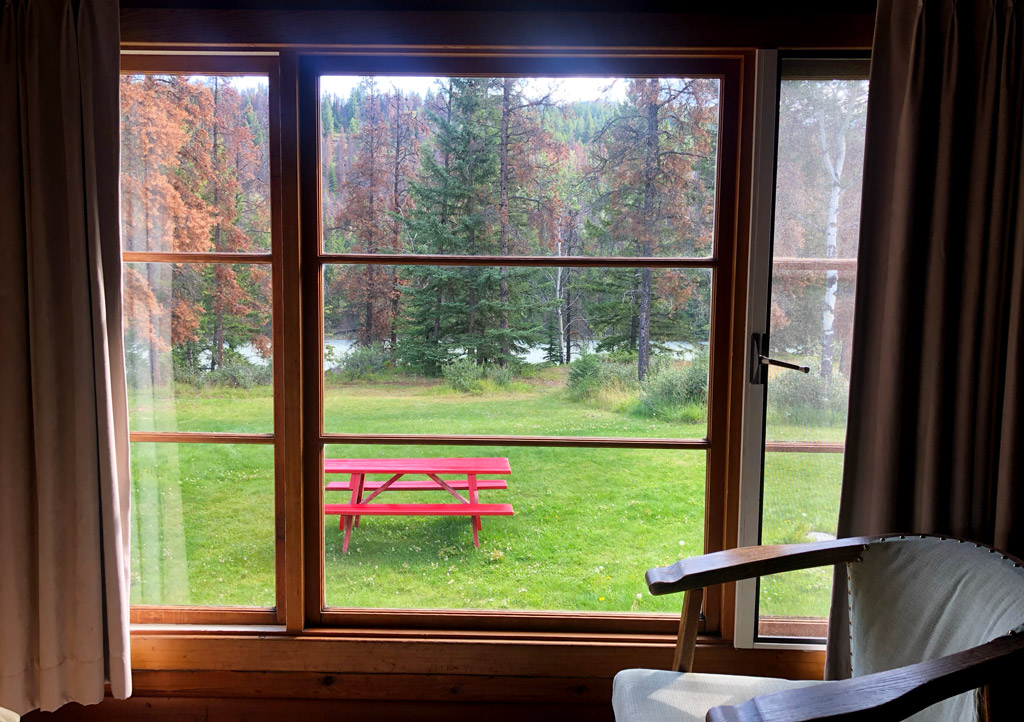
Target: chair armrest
{"points": [[745, 562], [892, 695]]}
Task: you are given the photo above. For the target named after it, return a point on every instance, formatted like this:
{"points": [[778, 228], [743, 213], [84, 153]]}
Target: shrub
{"points": [[674, 392], [662, 393], [584, 376], [362, 362], [619, 374], [500, 375], [795, 398], [241, 374], [236, 372], [695, 385], [624, 357], [463, 375]]}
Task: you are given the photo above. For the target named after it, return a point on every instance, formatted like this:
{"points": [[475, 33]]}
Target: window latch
{"points": [[765, 361], [759, 363]]}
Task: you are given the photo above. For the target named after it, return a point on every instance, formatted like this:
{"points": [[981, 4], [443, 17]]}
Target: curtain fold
{"points": [[935, 441], [64, 471]]}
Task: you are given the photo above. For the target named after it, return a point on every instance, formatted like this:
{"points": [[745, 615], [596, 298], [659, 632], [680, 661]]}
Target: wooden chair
{"points": [[931, 619]]}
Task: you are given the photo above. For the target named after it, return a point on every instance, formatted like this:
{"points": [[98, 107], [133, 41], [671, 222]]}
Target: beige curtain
{"points": [[63, 412], [935, 441]]}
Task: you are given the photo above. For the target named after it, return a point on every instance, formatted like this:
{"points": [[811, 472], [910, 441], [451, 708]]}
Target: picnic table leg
{"points": [[471, 482], [359, 497], [357, 493], [352, 481]]}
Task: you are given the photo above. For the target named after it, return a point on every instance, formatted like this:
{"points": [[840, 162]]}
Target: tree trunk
{"points": [[835, 171], [217, 353], [503, 215], [567, 332], [647, 241], [828, 309], [396, 207], [154, 319], [571, 246], [559, 311], [445, 215], [366, 332], [394, 310], [634, 318], [219, 342], [644, 325]]}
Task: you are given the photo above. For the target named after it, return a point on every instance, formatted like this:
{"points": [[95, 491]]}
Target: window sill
{"points": [[261, 649]]}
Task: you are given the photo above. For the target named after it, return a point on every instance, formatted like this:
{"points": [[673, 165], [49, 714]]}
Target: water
{"points": [[534, 355], [341, 347]]}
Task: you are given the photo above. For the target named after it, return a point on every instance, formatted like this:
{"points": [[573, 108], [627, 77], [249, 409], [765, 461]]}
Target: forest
{"points": [[477, 166], [499, 167], [495, 167]]}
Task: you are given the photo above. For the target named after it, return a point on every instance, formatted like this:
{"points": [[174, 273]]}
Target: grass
{"points": [[588, 522]]}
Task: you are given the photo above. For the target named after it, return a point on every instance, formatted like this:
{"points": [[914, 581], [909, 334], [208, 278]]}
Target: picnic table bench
{"points": [[467, 471]]}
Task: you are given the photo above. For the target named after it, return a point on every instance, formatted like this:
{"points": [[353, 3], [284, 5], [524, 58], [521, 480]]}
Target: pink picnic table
{"points": [[465, 471]]}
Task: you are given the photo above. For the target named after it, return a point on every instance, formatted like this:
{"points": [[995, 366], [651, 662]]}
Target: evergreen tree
{"points": [[654, 204], [459, 309]]}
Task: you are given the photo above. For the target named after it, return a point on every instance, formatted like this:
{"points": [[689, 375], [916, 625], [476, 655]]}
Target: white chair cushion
{"points": [[651, 695]]}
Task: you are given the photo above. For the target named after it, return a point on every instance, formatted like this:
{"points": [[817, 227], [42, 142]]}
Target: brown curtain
{"points": [[63, 412], [935, 441]]}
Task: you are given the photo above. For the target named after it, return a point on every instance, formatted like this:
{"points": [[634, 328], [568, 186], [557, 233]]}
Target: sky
{"points": [[562, 89]]}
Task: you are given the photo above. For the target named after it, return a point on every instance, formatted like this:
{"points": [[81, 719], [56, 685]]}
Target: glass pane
{"points": [[202, 524], [533, 351], [195, 163], [817, 218], [802, 508], [519, 166], [587, 524], [198, 347]]}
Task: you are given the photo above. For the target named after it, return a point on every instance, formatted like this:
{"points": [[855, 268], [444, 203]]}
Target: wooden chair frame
{"points": [[891, 695]]}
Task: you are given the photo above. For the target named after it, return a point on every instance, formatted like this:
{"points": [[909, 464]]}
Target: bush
{"points": [[619, 374], [624, 357], [674, 392], [796, 398], [695, 384], [240, 374], [236, 372], [362, 362], [500, 375], [463, 375], [584, 376]]}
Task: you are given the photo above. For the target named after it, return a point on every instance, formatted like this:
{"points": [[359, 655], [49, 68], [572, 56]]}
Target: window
{"points": [[282, 312], [804, 263], [198, 245], [505, 172], [440, 321]]}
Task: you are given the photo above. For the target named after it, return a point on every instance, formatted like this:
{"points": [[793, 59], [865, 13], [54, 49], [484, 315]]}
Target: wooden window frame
{"points": [[725, 68], [298, 438], [230, 65], [190, 654]]}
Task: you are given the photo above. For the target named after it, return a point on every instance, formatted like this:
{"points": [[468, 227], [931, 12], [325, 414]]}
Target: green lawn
{"points": [[588, 522]]}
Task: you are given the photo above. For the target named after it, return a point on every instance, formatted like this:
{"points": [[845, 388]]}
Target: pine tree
{"points": [[460, 309], [649, 162], [196, 178], [363, 218]]}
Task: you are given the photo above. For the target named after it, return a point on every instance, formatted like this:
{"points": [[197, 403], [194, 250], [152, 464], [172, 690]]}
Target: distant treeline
{"points": [[478, 166]]}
